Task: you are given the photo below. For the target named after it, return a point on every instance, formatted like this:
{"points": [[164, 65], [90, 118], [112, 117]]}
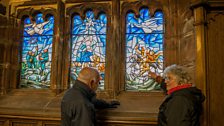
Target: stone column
{"points": [[115, 47], [56, 70]]}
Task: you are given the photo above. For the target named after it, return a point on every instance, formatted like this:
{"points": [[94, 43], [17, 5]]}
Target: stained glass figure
{"points": [[37, 52], [89, 44], [144, 49]]}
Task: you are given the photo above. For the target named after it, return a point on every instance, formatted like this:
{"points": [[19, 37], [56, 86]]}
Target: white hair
{"points": [[182, 74]]}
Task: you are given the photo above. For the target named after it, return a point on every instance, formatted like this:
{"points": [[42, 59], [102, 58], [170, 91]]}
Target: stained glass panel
{"points": [[144, 50], [89, 44], [37, 52]]}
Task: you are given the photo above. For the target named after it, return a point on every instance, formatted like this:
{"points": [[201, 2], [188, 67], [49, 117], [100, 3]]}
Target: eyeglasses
{"points": [[167, 78], [99, 83]]}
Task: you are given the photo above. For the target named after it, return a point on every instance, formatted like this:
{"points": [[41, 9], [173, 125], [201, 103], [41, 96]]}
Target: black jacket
{"points": [[78, 106], [181, 108]]}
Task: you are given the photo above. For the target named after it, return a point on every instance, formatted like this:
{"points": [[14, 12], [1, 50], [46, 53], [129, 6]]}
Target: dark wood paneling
{"points": [[2, 9], [2, 122], [51, 123], [22, 123], [127, 124], [215, 67]]}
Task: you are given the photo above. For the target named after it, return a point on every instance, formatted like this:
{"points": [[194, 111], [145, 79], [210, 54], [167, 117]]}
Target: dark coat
{"points": [[78, 106], [181, 108]]}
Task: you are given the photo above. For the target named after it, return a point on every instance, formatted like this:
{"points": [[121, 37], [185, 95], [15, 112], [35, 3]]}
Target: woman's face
{"points": [[171, 81]]}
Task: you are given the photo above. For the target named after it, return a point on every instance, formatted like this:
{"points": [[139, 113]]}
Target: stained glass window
{"points": [[144, 49], [37, 52], [89, 44]]}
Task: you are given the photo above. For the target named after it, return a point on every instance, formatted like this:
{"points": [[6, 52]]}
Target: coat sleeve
{"points": [[163, 85], [83, 115], [99, 103], [177, 112]]}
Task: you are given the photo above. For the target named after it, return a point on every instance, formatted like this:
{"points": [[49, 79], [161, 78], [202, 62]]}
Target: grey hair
{"points": [[182, 74]]}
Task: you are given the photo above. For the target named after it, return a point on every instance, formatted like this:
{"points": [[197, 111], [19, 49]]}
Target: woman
{"points": [[183, 104]]}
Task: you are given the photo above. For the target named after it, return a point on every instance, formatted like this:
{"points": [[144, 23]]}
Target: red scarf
{"points": [[178, 88]]}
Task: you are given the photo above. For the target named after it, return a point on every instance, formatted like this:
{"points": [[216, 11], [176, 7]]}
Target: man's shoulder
{"points": [[74, 99], [72, 94]]}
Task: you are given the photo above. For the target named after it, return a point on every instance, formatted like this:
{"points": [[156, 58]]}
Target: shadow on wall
{"points": [[2, 9]]}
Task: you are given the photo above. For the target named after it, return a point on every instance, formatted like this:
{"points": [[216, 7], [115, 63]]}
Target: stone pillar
{"points": [[9, 35], [56, 70], [115, 52], [66, 53]]}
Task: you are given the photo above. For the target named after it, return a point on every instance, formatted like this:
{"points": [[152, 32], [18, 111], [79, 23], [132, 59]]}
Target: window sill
{"points": [[44, 105]]}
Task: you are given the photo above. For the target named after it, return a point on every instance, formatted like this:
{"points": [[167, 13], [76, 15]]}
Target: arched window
{"points": [[144, 49], [89, 44], [37, 52]]}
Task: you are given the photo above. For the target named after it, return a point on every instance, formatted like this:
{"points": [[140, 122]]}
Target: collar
{"points": [[179, 87], [88, 92]]}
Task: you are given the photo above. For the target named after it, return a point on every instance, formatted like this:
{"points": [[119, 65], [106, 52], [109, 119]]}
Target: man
{"points": [[79, 103], [43, 57], [29, 59]]}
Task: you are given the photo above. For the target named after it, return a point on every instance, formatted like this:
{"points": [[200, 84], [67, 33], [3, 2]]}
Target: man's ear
{"points": [[91, 84]]}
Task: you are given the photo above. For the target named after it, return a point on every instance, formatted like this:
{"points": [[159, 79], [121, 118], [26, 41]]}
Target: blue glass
{"points": [[37, 52], [89, 44], [144, 49]]}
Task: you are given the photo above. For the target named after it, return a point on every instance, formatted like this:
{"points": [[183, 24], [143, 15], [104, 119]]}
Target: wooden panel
{"points": [[3, 36], [127, 125], [23, 123], [215, 68], [1, 74], [3, 27], [2, 122], [2, 49], [51, 123], [19, 121], [55, 124]]}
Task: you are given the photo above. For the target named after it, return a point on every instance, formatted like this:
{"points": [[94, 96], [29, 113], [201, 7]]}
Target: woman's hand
{"points": [[153, 75]]}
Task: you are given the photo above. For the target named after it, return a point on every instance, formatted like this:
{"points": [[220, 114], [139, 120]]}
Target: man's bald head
{"points": [[89, 76]]}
